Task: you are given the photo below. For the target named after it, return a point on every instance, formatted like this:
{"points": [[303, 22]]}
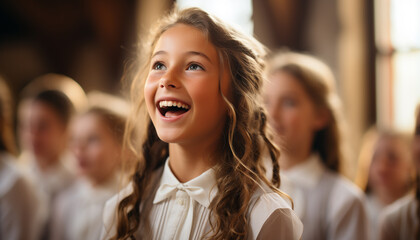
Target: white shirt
{"points": [[53, 180], [77, 212], [48, 184], [329, 206], [181, 210], [399, 220], [19, 206], [373, 209]]}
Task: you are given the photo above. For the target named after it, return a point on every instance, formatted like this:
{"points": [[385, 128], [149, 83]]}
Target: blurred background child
{"points": [[19, 205], [385, 171], [48, 115], [96, 141], [303, 112], [401, 220]]}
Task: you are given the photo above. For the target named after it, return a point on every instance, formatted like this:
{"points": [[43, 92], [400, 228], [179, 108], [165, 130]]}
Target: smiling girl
{"points": [[199, 171]]}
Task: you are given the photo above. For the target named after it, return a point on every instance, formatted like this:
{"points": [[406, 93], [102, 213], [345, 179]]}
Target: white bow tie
{"points": [[168, 190]]}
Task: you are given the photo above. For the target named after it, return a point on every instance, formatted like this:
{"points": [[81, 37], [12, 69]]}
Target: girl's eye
{"points": [[194, 67], [159, 66], [289, 103], [93, 139]]}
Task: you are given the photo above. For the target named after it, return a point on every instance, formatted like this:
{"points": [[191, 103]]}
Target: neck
{"points": [[99, 181], [44, 164], [386, 198], [189, 162], [289, 160]]}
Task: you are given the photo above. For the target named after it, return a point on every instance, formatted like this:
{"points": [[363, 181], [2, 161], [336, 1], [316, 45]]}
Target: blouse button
{"points": [[180, 202]]}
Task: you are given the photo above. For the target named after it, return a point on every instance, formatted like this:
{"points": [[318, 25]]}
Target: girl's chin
{"points": [[168, 140], [168, 137]]}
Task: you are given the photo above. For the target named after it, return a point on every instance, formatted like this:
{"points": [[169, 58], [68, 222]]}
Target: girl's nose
{"points": [[167, 84], [169, 81]]}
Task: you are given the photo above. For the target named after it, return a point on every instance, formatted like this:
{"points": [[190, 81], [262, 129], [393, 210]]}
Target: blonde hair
{"points": [[318, 82], [244, 139]]}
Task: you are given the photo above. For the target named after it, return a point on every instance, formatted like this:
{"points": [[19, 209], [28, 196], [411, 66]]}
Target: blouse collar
{"points": [[306, 174], [202, 189]]}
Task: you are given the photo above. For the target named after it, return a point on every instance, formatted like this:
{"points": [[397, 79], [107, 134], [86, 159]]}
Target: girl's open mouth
{"points": [[172, 108]]}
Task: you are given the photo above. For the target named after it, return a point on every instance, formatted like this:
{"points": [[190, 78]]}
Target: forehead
{"points": [[40, 108], [85, 123], [280, 81], [182, 38]]}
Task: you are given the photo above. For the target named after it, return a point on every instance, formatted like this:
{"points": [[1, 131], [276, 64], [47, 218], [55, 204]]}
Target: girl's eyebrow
{"points": [[158, 53], [199, 54], [187, 53]]}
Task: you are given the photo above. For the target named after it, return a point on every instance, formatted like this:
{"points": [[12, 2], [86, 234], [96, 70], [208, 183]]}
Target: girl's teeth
{"points": [[173, 104]]}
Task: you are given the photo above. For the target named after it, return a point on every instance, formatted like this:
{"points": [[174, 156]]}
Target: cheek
{"points": [[291, 118], [204, 93], [149, 93], [373, 170], [95, 152]]}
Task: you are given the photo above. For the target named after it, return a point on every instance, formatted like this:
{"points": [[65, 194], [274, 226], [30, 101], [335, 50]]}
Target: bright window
{"points": [[397, 24], [237, 13]]}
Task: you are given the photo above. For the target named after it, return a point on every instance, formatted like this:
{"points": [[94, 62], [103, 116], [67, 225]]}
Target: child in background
{"points": [[385, 172], [401, 220], [96, 143], [303, 113], [199, 165], [51, 81], [19, 205], [49, 115]]}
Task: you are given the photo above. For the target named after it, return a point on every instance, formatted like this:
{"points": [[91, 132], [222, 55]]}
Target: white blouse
{"points": [[399, 220], [77, 212], [19, 206], [373, 209], [48, 184], [329, 206], [181, 210], [52, 181]]}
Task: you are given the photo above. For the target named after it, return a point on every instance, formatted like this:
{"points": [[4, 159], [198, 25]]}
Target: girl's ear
{"points": [[321, 118]]}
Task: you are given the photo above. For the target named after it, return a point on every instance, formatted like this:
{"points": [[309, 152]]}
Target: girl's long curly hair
{"points": [[245, 141]]}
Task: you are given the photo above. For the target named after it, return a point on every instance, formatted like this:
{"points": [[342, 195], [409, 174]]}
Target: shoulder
{"points": [[110, 212], [399, 212], [12, 181], [111, 206], [9, 175], [271, 215], [68, 197], [345, 195]]}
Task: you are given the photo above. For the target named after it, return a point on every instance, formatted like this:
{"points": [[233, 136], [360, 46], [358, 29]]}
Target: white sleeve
{"points": [[346, 217], [109, 228], [272, 218], [19, 212]]}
